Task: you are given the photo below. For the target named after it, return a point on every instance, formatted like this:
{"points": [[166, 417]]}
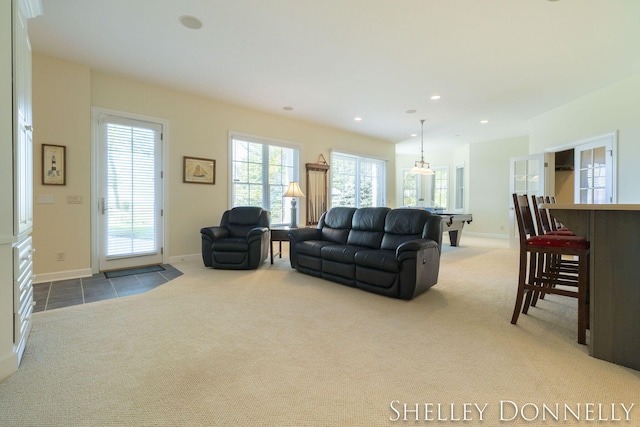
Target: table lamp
{"points": [[293, 191]]}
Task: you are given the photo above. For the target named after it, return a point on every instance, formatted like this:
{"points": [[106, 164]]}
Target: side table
{"points": [[279, 234]]}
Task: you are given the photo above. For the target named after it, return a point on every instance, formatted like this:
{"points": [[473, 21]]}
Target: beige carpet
{"points": [[274, 347]]}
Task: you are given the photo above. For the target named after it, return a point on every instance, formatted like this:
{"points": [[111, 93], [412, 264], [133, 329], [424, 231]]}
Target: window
{"points": [[357, 181], [261, 171], [440, 187], [460, 187], [437, 196], [411, 189]]}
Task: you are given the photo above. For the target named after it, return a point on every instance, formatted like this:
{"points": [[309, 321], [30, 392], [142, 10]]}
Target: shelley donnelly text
{"points": [[508, 410]]}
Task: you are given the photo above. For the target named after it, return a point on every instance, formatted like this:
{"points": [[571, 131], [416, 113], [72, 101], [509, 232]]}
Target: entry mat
{"points": [[132, 271]]}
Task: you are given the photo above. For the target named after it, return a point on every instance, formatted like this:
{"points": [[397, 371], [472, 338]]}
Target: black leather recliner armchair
{"points": [[240, 242]]}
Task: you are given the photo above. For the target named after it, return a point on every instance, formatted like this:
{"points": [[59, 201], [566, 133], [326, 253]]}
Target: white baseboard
{"points": [[62, 275], [182, 258], [487, 235]]}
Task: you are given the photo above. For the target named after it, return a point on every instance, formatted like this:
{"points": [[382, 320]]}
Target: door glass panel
{"points": [[585, 159], [584, 179], [599, 195], [583, 196], [599, 156], [594, 174], [131, 228]]}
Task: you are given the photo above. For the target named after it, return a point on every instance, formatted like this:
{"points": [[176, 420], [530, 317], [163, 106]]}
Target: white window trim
{"points": [[457, 208]]}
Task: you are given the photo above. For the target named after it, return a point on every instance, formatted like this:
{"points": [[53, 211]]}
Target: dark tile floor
{"points": [[51, 295]]}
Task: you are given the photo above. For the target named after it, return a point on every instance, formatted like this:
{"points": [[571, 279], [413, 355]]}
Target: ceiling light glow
{"points": [[484, 121], [435, 97], [358, 119]]}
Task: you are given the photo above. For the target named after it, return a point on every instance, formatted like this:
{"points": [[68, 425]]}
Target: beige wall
{"points": [[61, 116], [64, 93], [489, 191], [612, 108]]}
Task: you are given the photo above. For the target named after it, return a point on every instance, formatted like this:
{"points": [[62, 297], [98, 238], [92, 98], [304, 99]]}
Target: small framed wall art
{"points": [[54, 165], [199, 171]]}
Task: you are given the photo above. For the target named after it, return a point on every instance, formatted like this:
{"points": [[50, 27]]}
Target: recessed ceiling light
{"points": [[190, 22], [287, 108], [484, 121], [411, 111], [358, 119], [435, 97], [413, 135]]}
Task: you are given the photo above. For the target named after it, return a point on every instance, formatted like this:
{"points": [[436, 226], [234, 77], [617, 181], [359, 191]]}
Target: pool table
{"points": [[453, 223]]}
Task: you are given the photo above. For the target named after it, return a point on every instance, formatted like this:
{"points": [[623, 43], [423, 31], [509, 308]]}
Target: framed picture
{"points": [[54, 168], [199, 171]]}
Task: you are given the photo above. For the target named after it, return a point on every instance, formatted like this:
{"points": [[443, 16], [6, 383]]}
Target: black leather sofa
{"points": [[391, 252], [240, 242]]}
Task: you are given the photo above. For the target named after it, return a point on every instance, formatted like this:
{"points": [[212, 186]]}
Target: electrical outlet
{"points": [[59, 256]]}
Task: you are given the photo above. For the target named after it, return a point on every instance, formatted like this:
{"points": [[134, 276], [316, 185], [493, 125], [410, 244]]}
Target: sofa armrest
{"points": [[257, 233], [409, 248], [415, 245], [302, 234], [215, 233], [433, 230], [419, 261]]}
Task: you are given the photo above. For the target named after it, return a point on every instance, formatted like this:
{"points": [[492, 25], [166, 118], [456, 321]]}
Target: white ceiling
{"points": [[332, 60]]}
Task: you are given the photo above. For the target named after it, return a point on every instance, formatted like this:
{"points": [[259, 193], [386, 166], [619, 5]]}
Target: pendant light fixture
{"points": [[421, 170]]}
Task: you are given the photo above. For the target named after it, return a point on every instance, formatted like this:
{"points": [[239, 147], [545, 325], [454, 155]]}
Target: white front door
{"points": [[129, 187]]}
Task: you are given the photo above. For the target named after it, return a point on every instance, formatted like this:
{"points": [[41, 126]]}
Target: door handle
{"points": [[103, 206]]}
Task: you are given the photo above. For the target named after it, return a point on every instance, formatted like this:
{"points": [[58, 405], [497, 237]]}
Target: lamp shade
{"points": [[293, 190], [422, 170]]}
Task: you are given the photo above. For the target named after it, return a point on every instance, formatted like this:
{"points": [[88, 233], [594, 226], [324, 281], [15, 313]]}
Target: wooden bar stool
{"points": [[537, 272], [544, 219]]}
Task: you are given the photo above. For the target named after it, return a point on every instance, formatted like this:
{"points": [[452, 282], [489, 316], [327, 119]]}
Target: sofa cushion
{"points": [[379, 259], [340, 253], [245, 215], [231, 244], [402, 225], [242, 219], [311, 247], [336, 223], [367, 227]]}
